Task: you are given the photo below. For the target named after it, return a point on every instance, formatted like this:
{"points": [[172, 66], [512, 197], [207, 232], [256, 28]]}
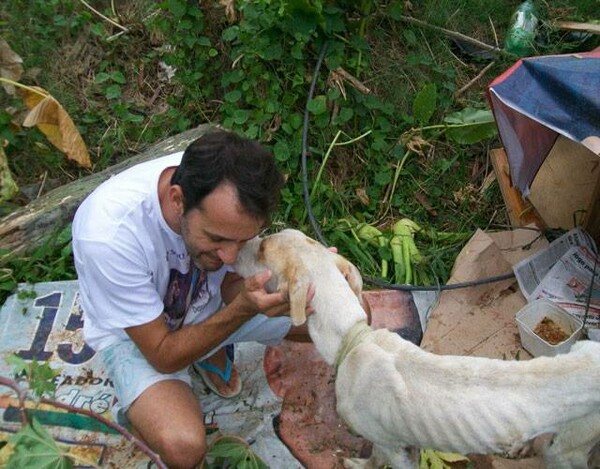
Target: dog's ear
{"points": [[352, 275], [298, 291]]}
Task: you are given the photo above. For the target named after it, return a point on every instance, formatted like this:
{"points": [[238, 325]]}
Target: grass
{"points": [[249, 69]]}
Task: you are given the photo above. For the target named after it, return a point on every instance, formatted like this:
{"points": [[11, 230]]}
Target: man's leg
{"points": [[161, 407], [168, 417]]}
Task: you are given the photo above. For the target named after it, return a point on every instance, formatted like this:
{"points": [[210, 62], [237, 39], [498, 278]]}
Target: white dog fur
{"points": [[401, 397]]}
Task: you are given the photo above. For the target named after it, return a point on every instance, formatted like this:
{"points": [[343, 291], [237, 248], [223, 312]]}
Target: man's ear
{"points": [[176, 199]]}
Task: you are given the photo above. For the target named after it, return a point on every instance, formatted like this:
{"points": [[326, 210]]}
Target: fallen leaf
{"points": [[418, 145], [50, 117], [33, 95], [487, 182], [230, 12], [362, 195], [422, 199], [10, 66]]}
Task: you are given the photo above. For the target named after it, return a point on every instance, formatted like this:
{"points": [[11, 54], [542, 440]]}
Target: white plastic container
{"points": [[530, 316]]}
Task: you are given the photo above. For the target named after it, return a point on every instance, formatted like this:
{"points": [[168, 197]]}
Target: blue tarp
{"points": [[538, 99]]}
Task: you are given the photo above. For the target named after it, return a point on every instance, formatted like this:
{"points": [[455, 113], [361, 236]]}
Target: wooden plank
{"points": [[520, 211]]}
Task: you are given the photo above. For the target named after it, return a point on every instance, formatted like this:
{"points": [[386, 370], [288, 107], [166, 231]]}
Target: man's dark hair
{"points": [[222, 156]]}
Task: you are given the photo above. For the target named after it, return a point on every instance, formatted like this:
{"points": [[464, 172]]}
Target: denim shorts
{"points": [[132, 374]]}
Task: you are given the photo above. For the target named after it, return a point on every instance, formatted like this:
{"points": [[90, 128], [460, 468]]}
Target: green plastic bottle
{"points": [[521, 35]]}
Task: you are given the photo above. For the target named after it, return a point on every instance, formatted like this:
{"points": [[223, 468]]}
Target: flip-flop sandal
{"points": [[203, 367]]}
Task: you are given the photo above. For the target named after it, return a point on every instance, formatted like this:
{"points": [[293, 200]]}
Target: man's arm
{"points": [[169, 351]]}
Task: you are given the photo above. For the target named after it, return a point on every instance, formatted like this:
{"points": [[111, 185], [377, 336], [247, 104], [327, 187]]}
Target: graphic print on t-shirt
{"points": [[184, 290]]}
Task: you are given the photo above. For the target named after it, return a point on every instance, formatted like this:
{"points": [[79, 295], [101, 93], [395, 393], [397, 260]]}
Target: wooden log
{"points": [[520, 212], [27, 228]]}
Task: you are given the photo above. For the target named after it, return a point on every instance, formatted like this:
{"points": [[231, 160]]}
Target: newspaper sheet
{"points": [[531, 271], [568, 284], [563, 273]]}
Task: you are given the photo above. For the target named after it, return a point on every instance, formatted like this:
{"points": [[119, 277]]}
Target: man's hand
{"points": [[254, 298]]}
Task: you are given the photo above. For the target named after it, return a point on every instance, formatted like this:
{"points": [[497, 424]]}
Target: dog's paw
{"points": [[355, 463], [358, 463]]}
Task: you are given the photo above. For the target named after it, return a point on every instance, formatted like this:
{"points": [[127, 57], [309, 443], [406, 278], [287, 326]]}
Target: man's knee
{"points": [[183, 449], [168, 417]]}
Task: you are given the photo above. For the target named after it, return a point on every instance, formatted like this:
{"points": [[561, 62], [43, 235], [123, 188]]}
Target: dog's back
{"points": [[466, 404]]}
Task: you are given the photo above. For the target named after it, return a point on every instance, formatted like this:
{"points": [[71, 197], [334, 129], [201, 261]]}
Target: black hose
{"points": [[311, 217]]}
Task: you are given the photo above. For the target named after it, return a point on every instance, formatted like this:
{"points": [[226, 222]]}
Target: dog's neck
{"points": [[337, 310], [359, 332]]}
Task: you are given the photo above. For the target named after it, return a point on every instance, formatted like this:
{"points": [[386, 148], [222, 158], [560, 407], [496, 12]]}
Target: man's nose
{"points": [[228, 254]]}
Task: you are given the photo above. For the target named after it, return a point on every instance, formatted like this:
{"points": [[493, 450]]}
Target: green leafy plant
{"points": [[34, 447], [249, 67], [40, 376], [430, 459], [51, 261], [231, 451]]}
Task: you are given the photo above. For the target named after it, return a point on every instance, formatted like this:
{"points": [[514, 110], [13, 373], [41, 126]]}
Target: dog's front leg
{"points": [[402, 458], [358, 463], [397, 458]]}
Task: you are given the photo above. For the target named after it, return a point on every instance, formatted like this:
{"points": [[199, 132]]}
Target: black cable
{"points": [[591, 289], [448, 286], [317, 229], [311, 91]]}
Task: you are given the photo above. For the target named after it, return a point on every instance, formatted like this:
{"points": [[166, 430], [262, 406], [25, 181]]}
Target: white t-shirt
{"points": [[131, 265]]}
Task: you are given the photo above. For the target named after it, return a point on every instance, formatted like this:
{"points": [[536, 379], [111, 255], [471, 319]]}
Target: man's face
{"points": [[214, 233]]}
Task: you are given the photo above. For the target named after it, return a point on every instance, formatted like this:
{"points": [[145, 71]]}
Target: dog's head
{"points": [[296, 261], [279, 254]]}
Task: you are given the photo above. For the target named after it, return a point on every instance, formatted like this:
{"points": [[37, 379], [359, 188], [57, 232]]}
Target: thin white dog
{"points": [[401, 397]]}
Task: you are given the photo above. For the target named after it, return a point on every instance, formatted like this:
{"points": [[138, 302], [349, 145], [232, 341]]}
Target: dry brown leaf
{"points": [[335, 80], [344, 75], [32, 96], [10, 66], [418, 145], [50, 117], [362, 195], [230, 12], [422, 199]]}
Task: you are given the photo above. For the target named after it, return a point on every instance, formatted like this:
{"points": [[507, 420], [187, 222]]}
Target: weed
{"points": [[53, 260]]}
